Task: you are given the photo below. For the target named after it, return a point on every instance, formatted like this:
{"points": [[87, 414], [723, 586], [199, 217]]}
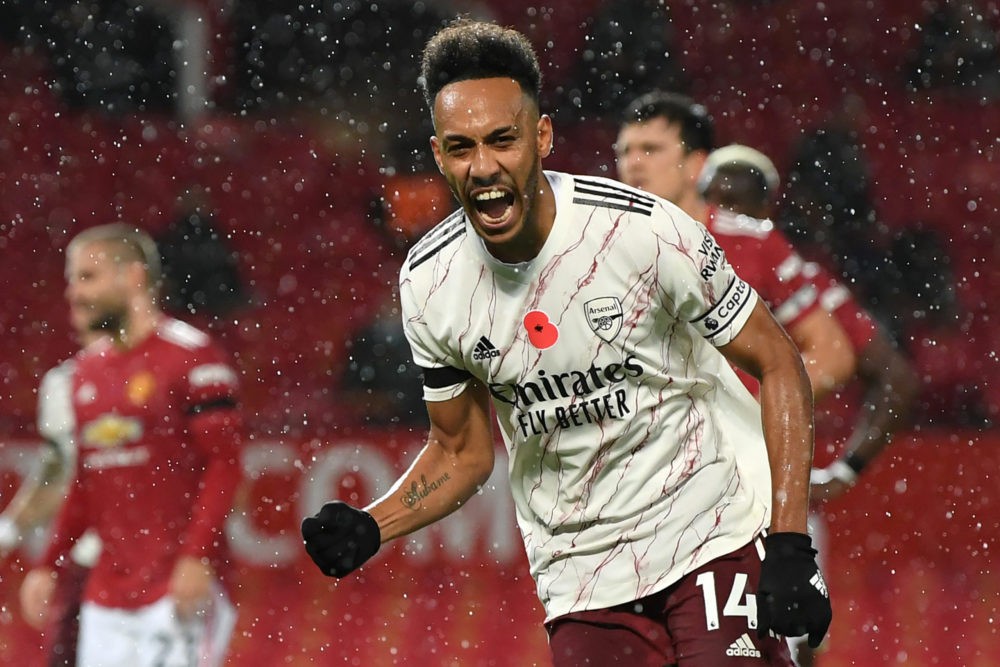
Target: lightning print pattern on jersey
{"points": [[625, 443]]}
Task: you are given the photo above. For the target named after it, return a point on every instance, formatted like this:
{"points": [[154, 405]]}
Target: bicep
{"points": [[461, 425], [761, 343]]}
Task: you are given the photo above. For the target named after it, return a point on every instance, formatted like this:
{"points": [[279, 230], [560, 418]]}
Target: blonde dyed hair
{"points": [[130, 244]]}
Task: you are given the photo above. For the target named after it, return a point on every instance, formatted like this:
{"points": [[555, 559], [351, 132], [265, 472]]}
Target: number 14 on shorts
{"points": [[738, 601]]}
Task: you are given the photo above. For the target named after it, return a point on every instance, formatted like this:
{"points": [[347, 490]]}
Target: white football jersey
{"points": [[56, 423], [636, 454]]}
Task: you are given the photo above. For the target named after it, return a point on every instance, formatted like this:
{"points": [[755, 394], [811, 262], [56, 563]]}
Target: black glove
{"points": [[340, 538], [792, 599]]}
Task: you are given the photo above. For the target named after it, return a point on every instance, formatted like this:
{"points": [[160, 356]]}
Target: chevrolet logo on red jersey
{"points": [[111, 430]]}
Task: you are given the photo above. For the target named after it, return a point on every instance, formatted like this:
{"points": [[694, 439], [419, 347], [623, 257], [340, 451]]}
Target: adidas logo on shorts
{"points": [[743, 648], [485, 350]]}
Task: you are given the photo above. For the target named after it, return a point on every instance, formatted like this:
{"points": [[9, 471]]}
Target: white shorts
{"points": [[153, 636]]}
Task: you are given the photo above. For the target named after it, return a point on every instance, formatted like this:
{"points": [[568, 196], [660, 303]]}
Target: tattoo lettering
{"points": [[413, 496]]}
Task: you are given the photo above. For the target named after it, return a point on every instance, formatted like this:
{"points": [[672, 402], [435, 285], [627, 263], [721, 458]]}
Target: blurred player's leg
{"points": [[106, 637], [153, 636], [63, 631], [216, 631]]}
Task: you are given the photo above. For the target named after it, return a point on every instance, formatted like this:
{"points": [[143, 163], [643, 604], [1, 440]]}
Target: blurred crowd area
{"points": [[278, 152]]}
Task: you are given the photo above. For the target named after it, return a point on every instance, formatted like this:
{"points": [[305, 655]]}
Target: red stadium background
{"points": [[910, 564]]}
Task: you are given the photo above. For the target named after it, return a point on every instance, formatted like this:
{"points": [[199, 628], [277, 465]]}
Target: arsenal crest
{"points": [[604, 315]]}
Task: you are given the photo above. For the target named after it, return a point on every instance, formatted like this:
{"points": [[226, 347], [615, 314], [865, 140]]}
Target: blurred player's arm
{"points": [[39, 583], [219, 435], [892, 386], [217, 429], [826, 351], [37, 498], [793, 289]]}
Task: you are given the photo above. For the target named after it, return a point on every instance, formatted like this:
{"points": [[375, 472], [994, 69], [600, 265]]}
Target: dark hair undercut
{"points": [[469, 49], [697, 128]]}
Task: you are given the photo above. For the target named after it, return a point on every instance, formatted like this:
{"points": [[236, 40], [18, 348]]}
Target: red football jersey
{"points": [[159, 433], [764, 258], [838, 300], [791, 286]]}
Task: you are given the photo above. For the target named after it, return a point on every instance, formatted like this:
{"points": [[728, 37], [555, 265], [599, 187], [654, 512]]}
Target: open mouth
{"points": [[493, 205]]}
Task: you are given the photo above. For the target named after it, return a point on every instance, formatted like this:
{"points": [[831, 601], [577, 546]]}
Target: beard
{"points": [[530, 193], [109, 321]]}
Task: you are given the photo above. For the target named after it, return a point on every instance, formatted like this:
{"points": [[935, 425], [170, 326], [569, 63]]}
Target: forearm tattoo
{"points": [[413, 496]]}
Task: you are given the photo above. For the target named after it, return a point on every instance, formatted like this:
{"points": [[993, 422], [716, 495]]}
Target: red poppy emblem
{"points": [[541, 332]]}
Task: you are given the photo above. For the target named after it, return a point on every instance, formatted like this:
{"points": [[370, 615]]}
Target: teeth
{"points": [[491, 194]]}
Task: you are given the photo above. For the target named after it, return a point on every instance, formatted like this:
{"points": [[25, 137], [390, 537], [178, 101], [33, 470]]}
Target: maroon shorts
{"points": [[63, 628], [707, 619]]}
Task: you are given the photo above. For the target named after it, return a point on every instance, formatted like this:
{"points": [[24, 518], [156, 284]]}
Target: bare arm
{"points": [[40, 494], [456, 461], [763, 349], [891, 389], [893, 386], [826, 351]]}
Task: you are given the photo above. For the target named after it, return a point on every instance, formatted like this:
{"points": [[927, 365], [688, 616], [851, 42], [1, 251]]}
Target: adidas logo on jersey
{"points": [[743, 648], [485, 350]]}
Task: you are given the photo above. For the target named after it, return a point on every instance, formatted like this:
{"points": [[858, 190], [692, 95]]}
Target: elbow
{"points": [[846, 367], [835, 372], [831, 361], [788, 369], [473, 463], [483, 467]]}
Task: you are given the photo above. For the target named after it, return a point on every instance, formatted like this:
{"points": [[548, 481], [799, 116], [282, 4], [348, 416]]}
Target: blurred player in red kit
{"points": [[744, 180], [663, 142], [158, 433]]}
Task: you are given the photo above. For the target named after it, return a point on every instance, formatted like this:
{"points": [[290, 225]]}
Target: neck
{"points": [[695, 206], [543, 215]]}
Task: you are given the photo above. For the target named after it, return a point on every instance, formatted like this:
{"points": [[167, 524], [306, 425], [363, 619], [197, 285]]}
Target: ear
{"points": [[436, 149], [695, 163], [135, 276], [545, 136]]}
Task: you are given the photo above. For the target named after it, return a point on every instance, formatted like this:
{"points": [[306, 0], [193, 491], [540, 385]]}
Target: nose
{"points": [[483, 168], [633, 158]]}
